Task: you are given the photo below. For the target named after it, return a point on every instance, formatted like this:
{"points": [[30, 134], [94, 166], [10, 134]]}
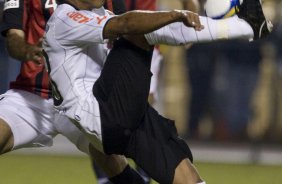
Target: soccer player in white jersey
{"points": [[111, 107]]}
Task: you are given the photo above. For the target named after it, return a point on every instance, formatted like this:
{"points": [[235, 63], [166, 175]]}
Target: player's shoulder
{"points": [[71, 16]]}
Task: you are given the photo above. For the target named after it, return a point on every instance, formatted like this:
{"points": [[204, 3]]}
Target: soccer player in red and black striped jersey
{"points": [[23, 15], [141, 4], [27, 117]]}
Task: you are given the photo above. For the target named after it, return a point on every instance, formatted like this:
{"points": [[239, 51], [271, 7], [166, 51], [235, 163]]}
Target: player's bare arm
{"points": [[19, 49], [137, 22]]}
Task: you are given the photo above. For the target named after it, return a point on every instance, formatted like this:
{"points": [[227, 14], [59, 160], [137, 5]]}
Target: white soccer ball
{"points": [[219, 9]]}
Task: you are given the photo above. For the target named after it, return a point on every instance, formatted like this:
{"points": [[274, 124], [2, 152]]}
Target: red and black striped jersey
{"points": [[31, 17], [121, 6], [116, 6], [141, 4]]}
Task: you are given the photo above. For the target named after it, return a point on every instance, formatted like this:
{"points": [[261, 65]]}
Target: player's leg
{"points": [[28, 120], [115, 167], [186, 173], [21, 121], [124, 176], [156, 144], [6, 137], [117, 163], [101, 176], [130, 126], [179, 34], [249, 24], [66, 128]]}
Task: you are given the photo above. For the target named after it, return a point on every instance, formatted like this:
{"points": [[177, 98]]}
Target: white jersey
{"points": [[76, 54]]}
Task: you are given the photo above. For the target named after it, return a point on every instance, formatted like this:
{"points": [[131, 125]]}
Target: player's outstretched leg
{"points": [[251, 11], [130, 126], [249, 24]]}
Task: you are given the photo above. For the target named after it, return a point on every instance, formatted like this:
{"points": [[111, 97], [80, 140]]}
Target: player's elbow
{"points": [[120, 25]]}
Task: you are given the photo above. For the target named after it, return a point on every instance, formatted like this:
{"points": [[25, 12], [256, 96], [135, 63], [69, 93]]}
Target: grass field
{"points": [[30, 169]]}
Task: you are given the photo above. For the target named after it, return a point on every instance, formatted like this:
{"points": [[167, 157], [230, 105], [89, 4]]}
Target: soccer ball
{"points": [[219, 9]]}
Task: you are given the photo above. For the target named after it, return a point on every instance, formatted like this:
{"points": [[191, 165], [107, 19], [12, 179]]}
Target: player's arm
{"points": [[12, 28], [19, 49], [138, 22]]}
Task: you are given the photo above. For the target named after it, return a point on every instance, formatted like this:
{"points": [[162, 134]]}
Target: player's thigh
{"points": [[112, 165], [122, 91], [69, 130], [20, 133], [6, 137], [155, 144], [29, 118]]}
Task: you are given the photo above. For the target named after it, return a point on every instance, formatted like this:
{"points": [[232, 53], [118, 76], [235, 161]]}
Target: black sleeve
{"points": [[118, 6], [13, 14]]}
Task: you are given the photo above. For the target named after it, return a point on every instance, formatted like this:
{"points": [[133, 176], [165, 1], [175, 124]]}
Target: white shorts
{"points": [[34, 122], [85, 114]]}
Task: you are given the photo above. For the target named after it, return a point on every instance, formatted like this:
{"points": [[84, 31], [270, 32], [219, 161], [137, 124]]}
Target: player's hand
{"points": [[34, 52], [192, 19]]}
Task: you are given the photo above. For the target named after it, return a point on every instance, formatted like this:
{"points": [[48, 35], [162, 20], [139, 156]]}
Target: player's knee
{"points": [[111, 164], [6, 137], [186, 173]]}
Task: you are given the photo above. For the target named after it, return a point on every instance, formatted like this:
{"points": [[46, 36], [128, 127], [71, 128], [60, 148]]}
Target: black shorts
{"points": [[130, 126]]}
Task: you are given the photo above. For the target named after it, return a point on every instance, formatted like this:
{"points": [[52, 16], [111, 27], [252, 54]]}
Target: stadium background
{"points": [[257, 159]]}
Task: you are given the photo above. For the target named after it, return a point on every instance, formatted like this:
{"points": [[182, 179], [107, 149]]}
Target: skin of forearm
{"points": [[139, 22], [16, 46]]}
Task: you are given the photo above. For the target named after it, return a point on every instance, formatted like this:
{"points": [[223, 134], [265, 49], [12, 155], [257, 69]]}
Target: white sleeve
{"points": [[80, 27]]}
